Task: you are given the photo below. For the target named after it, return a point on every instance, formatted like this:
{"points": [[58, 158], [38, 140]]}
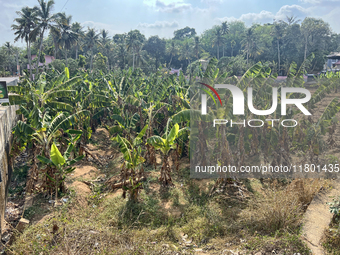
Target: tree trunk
{"points": [[223, 50], [133, 60], [55, 49], [66, 57], [247, 55], [305, 55], [218, 51], [77, 51], [18, 67], [170, 61], [91, 60], [278, 55], [232, 51], [29, 58], [40, 48]]}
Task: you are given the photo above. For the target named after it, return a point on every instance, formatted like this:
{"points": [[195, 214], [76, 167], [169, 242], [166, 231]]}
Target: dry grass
{"points": [[331, 237], [281, 207], [101, 224]]}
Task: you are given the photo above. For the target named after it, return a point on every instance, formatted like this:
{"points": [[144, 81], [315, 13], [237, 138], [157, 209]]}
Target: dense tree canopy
{"points": [[278, 44]]}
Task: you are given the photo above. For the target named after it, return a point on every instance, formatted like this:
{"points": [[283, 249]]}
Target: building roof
{"points": [[334, 55], [48, 59], [337, 63]]}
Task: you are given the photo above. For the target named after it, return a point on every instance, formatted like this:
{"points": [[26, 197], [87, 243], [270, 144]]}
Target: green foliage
{"points": [[334, 206], [82, 61], [100, 62]]}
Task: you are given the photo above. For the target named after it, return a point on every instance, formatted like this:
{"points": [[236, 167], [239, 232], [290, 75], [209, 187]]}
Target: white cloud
{"points": [[263, 17], [268, 17], [153, 2], [291, 10], [159, 25], [175, 7], [212, 1], [318, 1]]}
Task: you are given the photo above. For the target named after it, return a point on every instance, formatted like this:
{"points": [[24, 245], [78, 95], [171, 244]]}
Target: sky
{"points": [[163, 17]]}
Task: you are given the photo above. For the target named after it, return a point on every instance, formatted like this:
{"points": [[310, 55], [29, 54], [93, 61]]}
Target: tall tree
{"points": [[278, 32], [9, 52], [218, 39], [172, 50], [133, 40], [186, 51], [224, 31], [55, 34], [315, 33], [105, 43], [91, 40], [45, 22], [23, 28], [156, 48], [197, 47], [67, 37], [184, 33], [78, 29], [232, 45], [247, 42]]}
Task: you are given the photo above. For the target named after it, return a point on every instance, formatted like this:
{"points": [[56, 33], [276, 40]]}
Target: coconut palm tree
{"points": [[197, 47], [249, 43], [224, 31], [55, 34], [185, 52], [67, 37], [78, 29], [232, 45], [218, 39], [91, 40], [23, 28], [278, 32], [105, 43], [133, 41], [9, 52], [45, 21], [172, 50], [121, 52]]}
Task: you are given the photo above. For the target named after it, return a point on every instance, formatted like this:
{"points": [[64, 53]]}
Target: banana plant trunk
{"points": [[165, 178]]}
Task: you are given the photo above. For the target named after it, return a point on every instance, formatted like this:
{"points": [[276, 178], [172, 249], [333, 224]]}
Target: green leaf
{"points": [[156, 142], [124, 148], [173, 134], [68, 151], [208, 92], [73, 161], [67, 73], [74, 132], [44, 160], [141, 133], [56, 156]]}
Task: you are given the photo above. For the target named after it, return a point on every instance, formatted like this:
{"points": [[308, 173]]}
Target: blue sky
{"points": [[162, 17]]}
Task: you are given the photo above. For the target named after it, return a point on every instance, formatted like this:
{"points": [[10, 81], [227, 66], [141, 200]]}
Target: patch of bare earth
{"points": [[317, 218]]}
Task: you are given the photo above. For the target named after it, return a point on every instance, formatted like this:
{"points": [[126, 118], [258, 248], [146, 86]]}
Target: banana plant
{"points": [[165, 144], [59, 166], [38, 135], [44, 93], [132, 168], [125, 126]]}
